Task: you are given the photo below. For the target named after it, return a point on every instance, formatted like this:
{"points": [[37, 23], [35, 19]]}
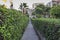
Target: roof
{"points": [[56, 0]]}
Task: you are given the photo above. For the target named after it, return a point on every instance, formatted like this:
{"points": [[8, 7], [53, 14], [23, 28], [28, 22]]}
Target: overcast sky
{"points": [[16, 3]]}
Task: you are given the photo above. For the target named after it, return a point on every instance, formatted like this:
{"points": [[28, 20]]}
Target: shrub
{"points": [[13, 24], [38, 10], [50, 28], [55, 12]]}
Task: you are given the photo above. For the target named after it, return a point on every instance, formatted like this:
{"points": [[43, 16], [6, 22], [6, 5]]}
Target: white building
{"points": [[53, 3], [36, 4]]}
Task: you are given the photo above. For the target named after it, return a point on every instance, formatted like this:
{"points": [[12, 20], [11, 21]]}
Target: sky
{"points": [[16, 3]]}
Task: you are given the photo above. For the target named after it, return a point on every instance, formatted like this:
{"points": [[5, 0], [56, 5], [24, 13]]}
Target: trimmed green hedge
{"points": [[12, 24], [50, 28]]}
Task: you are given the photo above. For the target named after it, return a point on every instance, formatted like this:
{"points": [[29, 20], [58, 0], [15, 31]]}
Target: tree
{"points": [[25, 5], [39, 10], [42, 10], [55, 11], [47, 9], [21, 6], [3, 6], [41, 6]]}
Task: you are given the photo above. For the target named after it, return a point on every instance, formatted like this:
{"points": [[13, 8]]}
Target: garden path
{"points": [[29, 33]]}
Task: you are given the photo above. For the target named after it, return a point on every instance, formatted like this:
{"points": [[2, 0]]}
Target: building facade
{"points": [[36, 4], [53, 3]]}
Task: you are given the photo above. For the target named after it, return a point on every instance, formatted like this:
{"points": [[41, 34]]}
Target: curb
{"points": [[39, 35]]}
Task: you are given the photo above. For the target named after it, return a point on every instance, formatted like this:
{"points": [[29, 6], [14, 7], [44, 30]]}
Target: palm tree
{"points": [[23, 7]]}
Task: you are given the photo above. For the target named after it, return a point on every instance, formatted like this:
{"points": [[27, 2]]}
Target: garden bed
{"points": [[48, 27], [12, 24]]}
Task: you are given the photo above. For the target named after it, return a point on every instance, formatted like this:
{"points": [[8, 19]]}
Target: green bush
{"points": [[38, 10], [50, 28], [12, 24], [55, 11]]}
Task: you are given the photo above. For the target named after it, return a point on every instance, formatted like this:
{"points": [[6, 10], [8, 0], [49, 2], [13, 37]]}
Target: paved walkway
{"points": [[29, 33]]}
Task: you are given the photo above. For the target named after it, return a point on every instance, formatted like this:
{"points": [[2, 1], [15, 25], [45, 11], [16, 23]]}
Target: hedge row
{"points": [[12, 24], [50, 28]]}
